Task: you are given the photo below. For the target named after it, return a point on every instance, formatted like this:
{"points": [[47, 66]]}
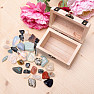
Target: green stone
{"points": [[5, 58], [17, 70], [29, 46], [44, 61]]}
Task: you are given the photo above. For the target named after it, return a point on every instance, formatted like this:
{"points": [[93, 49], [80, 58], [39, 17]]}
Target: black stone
{"points": [[84, 22], [27, 65], [48, 82], [36, 40], [22, 32], [26, 71], [17, 70], [40, 71], [14, 49], [21, 37]]}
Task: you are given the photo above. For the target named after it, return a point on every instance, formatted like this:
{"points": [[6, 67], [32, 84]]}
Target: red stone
{"points": [[34, 70], [45, 75]]}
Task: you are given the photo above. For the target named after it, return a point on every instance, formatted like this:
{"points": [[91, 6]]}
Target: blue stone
{"points": [[21, 46], [29, 46], [44, 61], [17, 70], [15, 41], [10, 51], [5, 58]]}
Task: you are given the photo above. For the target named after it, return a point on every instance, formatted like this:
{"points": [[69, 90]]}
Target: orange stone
{"points": [[45, 75], [34, 70]]}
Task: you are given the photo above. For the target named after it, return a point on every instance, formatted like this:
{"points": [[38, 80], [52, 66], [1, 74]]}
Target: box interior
{"points": [[60, 47], [66, 27]]}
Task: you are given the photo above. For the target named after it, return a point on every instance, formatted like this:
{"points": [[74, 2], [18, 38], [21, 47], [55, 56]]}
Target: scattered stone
{"points": [[14, 49], [32, 38], [30, 57], [48, 82], [34, 70], [21, 46], [20, 62], [45, 75], [50, 67], [12, 58], [5, 58], [40, 71], [29, 46], [15, 41], [27, 65], [26, 36], [27, 76], [36, 40], [22, 32], [17, 70], [44, 61], [36, 77], [38, 61], [21, 37], [6, 47], [26, 71], [51, 74], [10, 51], [32, 82]]}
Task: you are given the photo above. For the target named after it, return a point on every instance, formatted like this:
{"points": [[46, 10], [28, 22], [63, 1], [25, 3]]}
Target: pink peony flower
{"points": [[83, 8], [34, 16]]}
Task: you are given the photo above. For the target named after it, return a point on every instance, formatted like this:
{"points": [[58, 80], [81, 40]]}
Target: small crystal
{"points": [[20, 62], [26, 71], [48, 82], [17, 70], [44, 61], [51, 74], [27, 76], [26, 36], [45, 75], [10, 51], [30, 57], [50, 67], [5, 58], [40, 71], [38, 61], [34, 70], [27, 65], [21, 37], [14, 49], [6, 47], [21, 46], [32, 82], [22, 31], [36, 77]]}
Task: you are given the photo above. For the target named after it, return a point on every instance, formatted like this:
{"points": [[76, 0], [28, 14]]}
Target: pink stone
{"points": [[34, 70]]}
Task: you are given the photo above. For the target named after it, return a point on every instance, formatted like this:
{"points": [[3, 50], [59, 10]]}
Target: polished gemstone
{"points": [[17, 70], [38, 61], [50, 67], [13, 58], [27, 65], [44, 61], [5, 58], [20, 62], [6, 47], [36, 40], [10, 51], [40, 71], [26, 36], [21, 46], [36, 77], [22, 32], [14, 49], [32, 82], [51, 74], [29, 46], [26, 71], [32, 38], [48, 82], [45, 75], [15, 41], [27, 76], [30, 57], [34, 70]]}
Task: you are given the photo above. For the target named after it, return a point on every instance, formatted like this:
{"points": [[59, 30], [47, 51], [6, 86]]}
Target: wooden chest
{"points": [[64, 37]]}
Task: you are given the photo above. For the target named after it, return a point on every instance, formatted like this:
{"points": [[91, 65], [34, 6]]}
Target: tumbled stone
{"points": [[15, 41], [30, 57], [5, 58], [48, 82], [22, 32], [29, 46], [26, 36], [20, 62], [45, 75], [36, 77], [36, 40], [6, 47], [13, 58], [44, 61], [38, 61], [21, 37], [26, 71], [32, 82], [27, 76], [14, 49], [27, 65], [32, 38], [10, 51], [51, 74], [17, 70], [40, 71], [50, 67], [21, 46], [34, 70]]}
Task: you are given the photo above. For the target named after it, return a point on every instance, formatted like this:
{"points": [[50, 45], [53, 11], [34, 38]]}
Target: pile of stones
{"points": [[24, 52]]}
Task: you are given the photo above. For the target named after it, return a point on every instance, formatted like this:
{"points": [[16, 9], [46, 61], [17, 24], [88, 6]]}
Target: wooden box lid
{"points": [[73, 27]]}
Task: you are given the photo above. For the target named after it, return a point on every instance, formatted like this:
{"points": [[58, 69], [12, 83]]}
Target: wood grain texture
{"points": [[78, 80]]}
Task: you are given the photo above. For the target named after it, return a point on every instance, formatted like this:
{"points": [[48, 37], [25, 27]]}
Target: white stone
{"points": [[27, 76], [31, 57], [37, 77], [50, 67]]}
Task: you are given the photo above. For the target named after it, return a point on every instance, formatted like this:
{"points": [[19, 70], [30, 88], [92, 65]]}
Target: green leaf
{"points": [[48, 0], [40, 0]]}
